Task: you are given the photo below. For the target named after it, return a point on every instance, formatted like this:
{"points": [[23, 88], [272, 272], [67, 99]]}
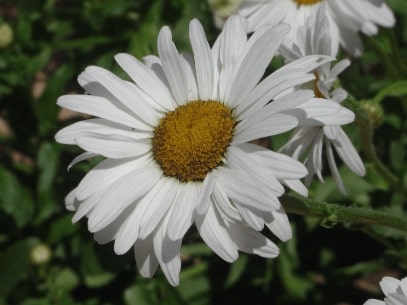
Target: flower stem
{"points": [[335, 213], [366, 129]]}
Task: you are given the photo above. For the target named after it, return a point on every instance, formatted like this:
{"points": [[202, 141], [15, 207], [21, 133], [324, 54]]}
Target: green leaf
{"points": [[95, 275], [65, 280], [15, 199], [396, 89], [46, 108], [137, 295], [236, 271], [14, 265], [61, 228]]}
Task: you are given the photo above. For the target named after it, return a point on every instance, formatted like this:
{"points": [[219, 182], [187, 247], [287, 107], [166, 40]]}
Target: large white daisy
{"points": [[395, 291], [313, 136], [345, 17], [175, 139]]}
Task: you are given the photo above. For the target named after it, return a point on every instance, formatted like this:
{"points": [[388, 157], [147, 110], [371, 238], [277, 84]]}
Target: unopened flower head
{"points": [[345, 17], [323, 133], [176, 145], [222, 9], [395, 292]]}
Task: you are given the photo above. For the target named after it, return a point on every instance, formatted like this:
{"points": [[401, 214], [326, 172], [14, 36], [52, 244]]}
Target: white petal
{"points": [[250, 241], [101, 107], [389, 284], [86, 206], [272, 86], [189, 68], [238, 159], [80, 158], [206, 191], [166, 195], [129, 231], [167, 252], [226, 208], [348, 153], [283, 167], [297, 186], [125, 93], [256, 60], [113, 146], [241, 188], [334, 168], [107, 172], [71, 203], [172, 66], [146, 260], [249, 217], [309, 62], [278, 223], [121, 194], [331, 132], [374, 302], [68, 134], [108, 233], [182, 211], [146, 80], [257, 127], [216, 236], [203, 60], [396, 299], [233, 38]]}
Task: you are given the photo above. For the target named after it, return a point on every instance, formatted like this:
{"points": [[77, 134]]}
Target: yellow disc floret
{"points": [[306, 2], [192, 139]]}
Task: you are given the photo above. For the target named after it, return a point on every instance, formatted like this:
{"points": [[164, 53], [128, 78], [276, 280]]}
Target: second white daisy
{"points": [[313, 136], [345, 17]]}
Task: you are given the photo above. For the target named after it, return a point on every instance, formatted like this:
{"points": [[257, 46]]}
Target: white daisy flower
{"points": [[345, 17], [395, 291], [312, 136], [175, 140]]}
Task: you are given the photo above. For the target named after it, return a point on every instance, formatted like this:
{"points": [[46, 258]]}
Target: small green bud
{"points": [[6, 35], [40, 254], [373, 111], [222, 9]]}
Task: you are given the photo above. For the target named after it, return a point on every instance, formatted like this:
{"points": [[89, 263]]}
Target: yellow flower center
{"points": [[191, 140], [306, 2]]}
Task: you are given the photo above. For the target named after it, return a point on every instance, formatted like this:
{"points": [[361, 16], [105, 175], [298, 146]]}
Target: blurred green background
{"points": [[44, 259]]}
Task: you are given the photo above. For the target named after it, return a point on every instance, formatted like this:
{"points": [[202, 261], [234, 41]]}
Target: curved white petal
{"points": [[216, 236], [125, 93], [113, 146], [250, 241], [206, 191], [147, 80], [203, 60], [165, 195], [348, 153], [146, 260], [101, 107], [122, 193], [182, 212], [241, 188], [172, 66]]}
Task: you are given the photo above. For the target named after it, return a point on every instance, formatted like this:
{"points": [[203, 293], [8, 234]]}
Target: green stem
{"points": [[399, 63], [366, 129], [343, 214], [396, 56]]}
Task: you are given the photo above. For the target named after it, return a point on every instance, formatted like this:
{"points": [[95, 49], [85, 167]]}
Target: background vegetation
{"points": [[44, 259]]}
